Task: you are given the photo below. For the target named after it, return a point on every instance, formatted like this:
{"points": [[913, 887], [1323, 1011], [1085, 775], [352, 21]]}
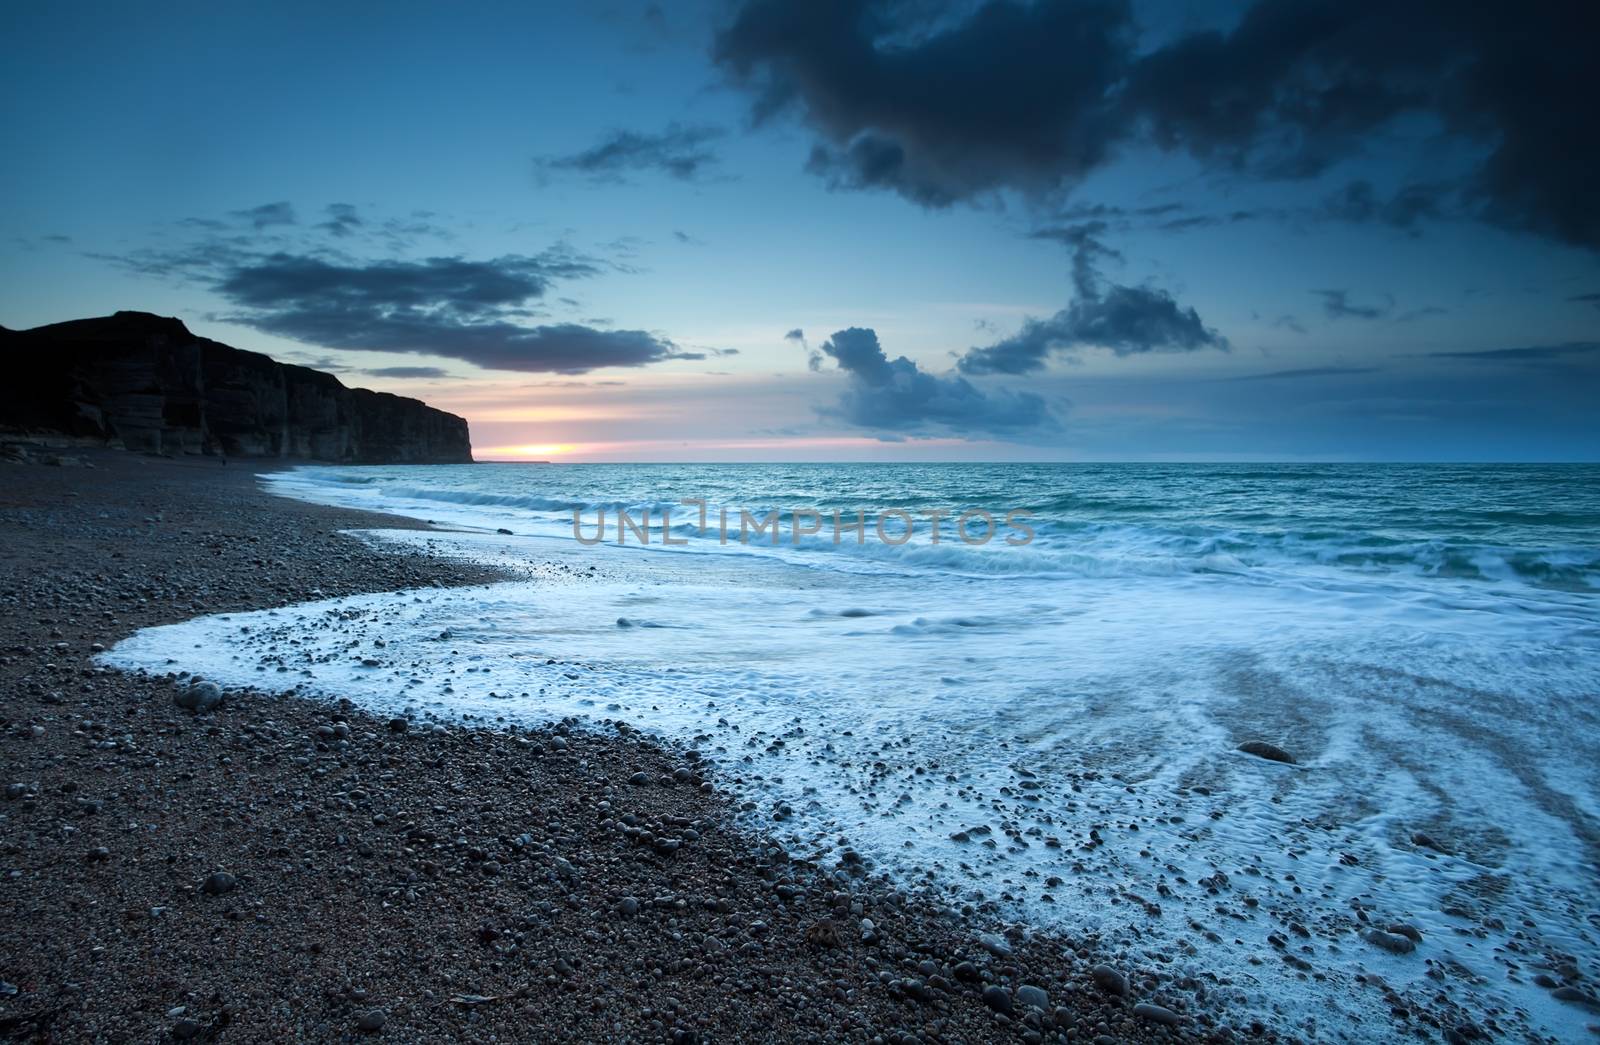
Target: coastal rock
{"points": [[1262, 749], [146, 383], [219, 883]]}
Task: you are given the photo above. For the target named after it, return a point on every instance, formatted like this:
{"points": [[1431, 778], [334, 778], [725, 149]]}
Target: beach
{"points": [[280, 867]]}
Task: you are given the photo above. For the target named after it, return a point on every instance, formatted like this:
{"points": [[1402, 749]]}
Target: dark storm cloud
{"points": [[456, 284], [1336, 304], [1127, 320], [461, 308], [1012, 97], [895, 396], [945, 103], [450, 307], [682, 152], [1299, 85], [266, 215]]}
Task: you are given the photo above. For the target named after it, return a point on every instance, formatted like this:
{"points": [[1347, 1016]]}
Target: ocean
{"points": [[1045, 725]]}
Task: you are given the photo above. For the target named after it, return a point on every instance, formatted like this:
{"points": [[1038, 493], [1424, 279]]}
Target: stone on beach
{"points": [[1156, 1014], [1109, 980], [1394, 943], [199, 697], [1261, 749], [219, 883]]}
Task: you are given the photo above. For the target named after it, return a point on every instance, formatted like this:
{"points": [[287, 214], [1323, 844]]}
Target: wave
{"points": [[1088, 533]]}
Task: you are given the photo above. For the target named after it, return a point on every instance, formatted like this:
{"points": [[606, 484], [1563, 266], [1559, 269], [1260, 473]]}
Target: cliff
{"points": [[145, 382]]}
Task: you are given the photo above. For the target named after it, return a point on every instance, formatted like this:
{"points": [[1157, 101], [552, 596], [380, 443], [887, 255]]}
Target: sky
{"points": [[842, 229]]}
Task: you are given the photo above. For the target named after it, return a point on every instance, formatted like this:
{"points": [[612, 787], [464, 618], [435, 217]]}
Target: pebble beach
{"points": [[273, 867]]}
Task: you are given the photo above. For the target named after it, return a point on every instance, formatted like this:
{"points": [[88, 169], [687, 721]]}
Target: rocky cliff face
{"points": [[146, 382]]}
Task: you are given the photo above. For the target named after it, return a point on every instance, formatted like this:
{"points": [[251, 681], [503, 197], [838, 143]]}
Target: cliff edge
{"points": [[146, 383]]}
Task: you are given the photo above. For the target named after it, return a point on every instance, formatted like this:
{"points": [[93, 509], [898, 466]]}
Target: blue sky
{"points": [[605, 220]]}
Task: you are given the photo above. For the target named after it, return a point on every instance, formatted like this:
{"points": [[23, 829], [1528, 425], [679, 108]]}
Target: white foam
{"points": [[898, 709]]}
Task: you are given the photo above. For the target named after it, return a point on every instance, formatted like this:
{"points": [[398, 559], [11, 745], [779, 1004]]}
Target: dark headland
{"points": [[143, 382]]}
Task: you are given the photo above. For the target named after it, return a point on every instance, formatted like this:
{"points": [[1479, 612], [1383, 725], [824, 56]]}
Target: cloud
{"points": [[451, 306], [451, 283], [1359, 201], [1336, 304], [1533, 354], [267, 214], [947, 103], [1013, 97], [428, 372], [895, 396], [681, 152], [474, 310], [1305, 372], [342, 220], [1127, 320]]}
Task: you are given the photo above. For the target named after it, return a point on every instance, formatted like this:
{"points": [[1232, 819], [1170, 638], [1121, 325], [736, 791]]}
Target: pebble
{"points": [[1109, 980], [372, 1021], [1156, 1014], [219, 883], [1410, 932], [629, 907], [1032, 997], [1576, 996], [997, 998], [199, 697], [1261, 749], [1391, 942], [995, 944]]}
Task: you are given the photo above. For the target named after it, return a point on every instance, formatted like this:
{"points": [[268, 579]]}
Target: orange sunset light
{"points": [[525, 451]]}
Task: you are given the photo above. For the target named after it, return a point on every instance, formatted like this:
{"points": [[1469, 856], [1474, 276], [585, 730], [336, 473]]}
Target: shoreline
{"points": [[563, 882]]}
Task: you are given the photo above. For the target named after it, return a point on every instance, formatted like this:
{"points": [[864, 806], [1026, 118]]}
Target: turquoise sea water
{"points": [[1531, 524], [1049, 730]]}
